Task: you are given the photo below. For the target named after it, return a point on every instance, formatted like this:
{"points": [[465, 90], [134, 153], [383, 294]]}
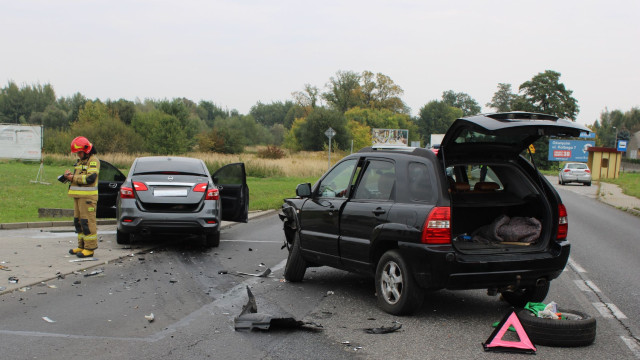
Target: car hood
{"points": [[507, 132]]}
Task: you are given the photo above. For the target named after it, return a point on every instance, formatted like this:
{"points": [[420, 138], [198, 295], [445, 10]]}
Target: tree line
{"points": [[352, 103]]}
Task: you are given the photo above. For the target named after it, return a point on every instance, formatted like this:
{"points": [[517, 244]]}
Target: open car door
{"points": [[232, 183], [110, 180]]}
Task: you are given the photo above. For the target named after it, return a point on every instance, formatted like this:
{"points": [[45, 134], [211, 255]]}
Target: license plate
{"points": [[170, 192]]}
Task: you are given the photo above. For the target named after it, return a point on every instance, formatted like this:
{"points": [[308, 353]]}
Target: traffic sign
{"points": [[330, 133]]}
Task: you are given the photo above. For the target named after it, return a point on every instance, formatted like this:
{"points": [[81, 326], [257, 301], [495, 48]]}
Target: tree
{"points": [[125, 109], [343, 91], [162, 133], [209, 112], [381, 93], [461, 101], [502, 98], [311, 132], [306, 99], [105, 130], [545, 94], [271, 114], [435, 118], [17, 104]]}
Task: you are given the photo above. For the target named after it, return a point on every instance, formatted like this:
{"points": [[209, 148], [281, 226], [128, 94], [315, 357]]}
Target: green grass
{"points": [[20, 199], [628, 182]]}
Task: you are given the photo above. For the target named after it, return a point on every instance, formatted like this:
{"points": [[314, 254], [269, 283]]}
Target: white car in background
{"points": [[575, 172]]}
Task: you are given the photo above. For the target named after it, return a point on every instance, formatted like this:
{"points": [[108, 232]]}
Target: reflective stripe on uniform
{"points": [[86, 188]]}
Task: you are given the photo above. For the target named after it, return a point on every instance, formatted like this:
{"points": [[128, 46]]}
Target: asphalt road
{"points": [[195, 294]]}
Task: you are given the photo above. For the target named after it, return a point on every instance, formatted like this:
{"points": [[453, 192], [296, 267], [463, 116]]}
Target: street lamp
{"points": [[615, 141]]}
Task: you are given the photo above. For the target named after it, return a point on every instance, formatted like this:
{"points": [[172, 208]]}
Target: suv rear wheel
{"points": [[212, 239], [398, 293], [122, 238]]}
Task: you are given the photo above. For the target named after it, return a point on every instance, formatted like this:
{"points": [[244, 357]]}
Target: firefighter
{"points": [[83, 189]]}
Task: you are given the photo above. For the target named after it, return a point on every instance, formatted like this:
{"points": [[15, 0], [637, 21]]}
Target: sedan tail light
{"points": [[563, 223], [126, 193], [587, 171], [437, 227], [140, 186], [567, 170], [212, 193]]}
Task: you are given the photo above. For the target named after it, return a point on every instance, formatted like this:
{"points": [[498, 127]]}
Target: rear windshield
{"points": [[577, 166], [470, 136], [169, 166]]}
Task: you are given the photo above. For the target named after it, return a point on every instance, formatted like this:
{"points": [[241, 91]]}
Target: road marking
{"points": [[609, 310], [582, 286], [632, 344], [576, 267], [592, 286]]}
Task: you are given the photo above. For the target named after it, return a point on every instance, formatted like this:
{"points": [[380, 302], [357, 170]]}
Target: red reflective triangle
{"points": [[495, 342]]}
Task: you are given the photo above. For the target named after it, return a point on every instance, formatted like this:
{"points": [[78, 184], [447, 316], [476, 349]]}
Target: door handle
{"points": [[113, 185], [379, 211]]}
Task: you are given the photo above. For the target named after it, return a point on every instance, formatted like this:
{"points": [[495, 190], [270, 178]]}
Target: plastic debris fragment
{"points": [[262, 274], [384, 329], [93, 273], [13, 280], [47, 319], [150, 317]]}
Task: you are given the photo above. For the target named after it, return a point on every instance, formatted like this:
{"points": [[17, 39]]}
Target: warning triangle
{"points": [[495, 342]]}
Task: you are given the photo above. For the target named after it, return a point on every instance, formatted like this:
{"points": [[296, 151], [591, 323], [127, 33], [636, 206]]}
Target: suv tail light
{"points": [[212, 193], [437, 227], [563, 223]]}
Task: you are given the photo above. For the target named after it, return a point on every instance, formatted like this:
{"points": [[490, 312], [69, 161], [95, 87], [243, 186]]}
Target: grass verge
{"points": [[21, 199]]}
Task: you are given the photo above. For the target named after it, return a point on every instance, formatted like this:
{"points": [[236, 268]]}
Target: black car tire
{"points": [[296, 265], [397, 291], [579, 329], [522, 296], [212, 239], [122, 238]]}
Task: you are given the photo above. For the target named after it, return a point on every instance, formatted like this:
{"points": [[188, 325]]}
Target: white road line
{"points": [[576, 267], [616, 312], [582, 286], [603, 310], [609, 310], [593, 286], [632, 344]]}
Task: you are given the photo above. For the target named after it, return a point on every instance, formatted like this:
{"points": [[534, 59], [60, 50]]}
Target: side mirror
{"points": [[303, 190]]}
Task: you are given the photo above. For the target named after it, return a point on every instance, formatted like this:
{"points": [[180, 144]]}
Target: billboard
{"points": [[20, 142], [569, 150], [390, 137]]}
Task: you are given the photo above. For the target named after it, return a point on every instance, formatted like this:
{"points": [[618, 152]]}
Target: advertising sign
{"points": [[569, 150], [20, 142], [390, 137]]}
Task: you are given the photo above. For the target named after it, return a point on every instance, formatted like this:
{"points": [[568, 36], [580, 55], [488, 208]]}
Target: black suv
{"points": [[475, 215]]}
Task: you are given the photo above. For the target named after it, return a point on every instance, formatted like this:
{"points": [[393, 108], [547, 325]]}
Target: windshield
{"points": [[471, 136]]}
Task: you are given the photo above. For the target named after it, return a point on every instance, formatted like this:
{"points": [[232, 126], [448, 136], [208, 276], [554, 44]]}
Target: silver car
{"points": [[177, 195], [575, 172]]}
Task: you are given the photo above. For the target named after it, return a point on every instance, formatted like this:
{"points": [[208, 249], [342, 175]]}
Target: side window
{"points": [[109, 172], [421, 182], [378, 181], [337, 181]]}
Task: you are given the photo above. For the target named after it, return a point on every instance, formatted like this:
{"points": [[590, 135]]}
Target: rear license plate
{"points": [[170, 192]]}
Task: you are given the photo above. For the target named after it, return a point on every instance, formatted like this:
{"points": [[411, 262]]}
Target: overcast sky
{"points": [[236, 53]]}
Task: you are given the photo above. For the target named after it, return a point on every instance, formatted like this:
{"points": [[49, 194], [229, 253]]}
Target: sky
{"points": [[238, 53]]}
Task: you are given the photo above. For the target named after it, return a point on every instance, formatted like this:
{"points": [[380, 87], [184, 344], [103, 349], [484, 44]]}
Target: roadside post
{"points": [[330, 133]]}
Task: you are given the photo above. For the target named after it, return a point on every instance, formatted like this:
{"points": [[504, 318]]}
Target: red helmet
{"points": [[81, 144]]}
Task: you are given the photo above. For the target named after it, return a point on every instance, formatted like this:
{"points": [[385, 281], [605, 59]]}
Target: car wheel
{"points": [[588, 184], [212, 239], [560, 181], [578, 329], [522, 296], [296, 265], [122, 238], [396, 289]]}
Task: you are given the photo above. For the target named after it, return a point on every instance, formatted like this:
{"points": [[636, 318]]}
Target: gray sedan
{"points": [[575, 172]]}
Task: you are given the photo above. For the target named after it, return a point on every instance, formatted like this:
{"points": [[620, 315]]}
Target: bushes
{"points": [[271, 152]]}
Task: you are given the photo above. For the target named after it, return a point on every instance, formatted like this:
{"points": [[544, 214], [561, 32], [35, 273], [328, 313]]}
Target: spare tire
{"points": [[578, 329]]}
